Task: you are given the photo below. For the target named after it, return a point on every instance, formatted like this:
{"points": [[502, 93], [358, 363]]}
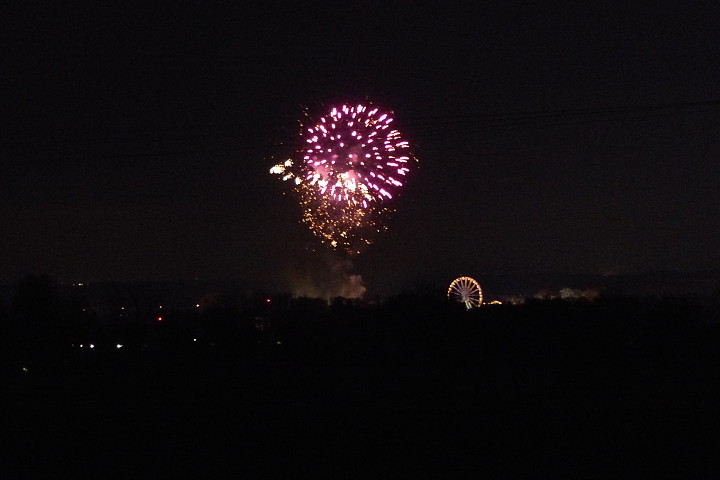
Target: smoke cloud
{"points": [[326, 275]]}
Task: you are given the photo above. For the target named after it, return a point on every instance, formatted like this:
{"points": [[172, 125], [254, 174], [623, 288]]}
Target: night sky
{"points": [[136, 140]]}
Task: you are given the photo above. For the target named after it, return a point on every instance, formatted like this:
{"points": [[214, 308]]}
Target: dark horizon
{"points": [[581, 389], [694, 287]]}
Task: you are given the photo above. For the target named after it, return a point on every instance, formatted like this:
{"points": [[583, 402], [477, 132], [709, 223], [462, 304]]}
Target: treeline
{"points": [[42, 328], [407, 380]]}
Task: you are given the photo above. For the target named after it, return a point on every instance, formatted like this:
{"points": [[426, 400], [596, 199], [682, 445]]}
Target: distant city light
{"points": [[194, 339], [92, 346], [159, 319], [25, 369], [267, 300], [119, 346], [197, 305]]}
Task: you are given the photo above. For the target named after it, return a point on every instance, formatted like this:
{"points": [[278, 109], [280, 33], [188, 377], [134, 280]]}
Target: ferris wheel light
{"points": [[466, 290]]}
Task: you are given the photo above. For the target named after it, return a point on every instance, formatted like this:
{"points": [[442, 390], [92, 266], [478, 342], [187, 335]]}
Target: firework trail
{"points": [[350, 165]]}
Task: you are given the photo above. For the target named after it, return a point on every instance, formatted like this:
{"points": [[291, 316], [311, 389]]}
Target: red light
{"points": [[267, 300], [159, 319]]}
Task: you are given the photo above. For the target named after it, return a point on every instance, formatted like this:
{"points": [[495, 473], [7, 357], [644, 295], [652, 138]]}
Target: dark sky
{"points": [[136, 140]]}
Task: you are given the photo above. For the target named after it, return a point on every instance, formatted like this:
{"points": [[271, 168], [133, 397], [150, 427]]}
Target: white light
{"points": [[194, 339], [197, 305], [92, 346], [119, 346]]}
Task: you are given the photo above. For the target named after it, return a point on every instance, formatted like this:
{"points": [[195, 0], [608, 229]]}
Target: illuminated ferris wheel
{"points": [[466, 290]]}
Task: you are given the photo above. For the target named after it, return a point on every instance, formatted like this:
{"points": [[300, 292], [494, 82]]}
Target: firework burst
{"points": [[350, 165]]}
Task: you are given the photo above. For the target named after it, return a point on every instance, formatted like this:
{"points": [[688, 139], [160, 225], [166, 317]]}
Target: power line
{"points": [[538, 119]]}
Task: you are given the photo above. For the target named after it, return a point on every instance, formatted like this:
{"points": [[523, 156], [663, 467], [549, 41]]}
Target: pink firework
{"points": [[350, 165]]}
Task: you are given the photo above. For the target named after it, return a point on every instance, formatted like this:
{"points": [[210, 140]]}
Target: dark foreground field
{"points": [[619, 388]]}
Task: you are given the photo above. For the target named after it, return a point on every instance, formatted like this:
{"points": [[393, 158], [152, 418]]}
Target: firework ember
{"points": [[350, 165]]}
